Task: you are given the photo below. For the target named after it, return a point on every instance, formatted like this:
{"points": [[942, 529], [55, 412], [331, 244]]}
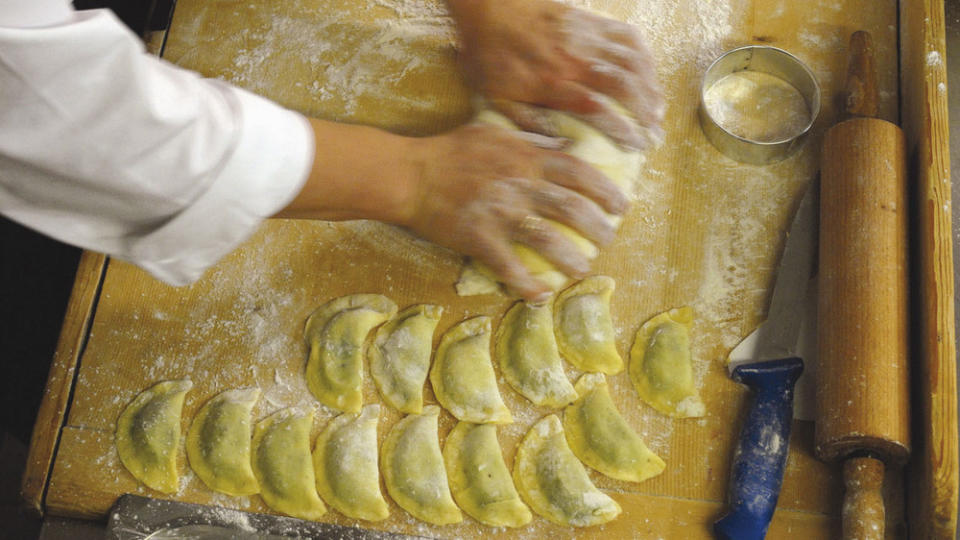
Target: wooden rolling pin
{"points": [[862, 379]]}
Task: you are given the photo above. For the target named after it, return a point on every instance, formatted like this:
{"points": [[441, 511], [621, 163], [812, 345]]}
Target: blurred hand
{"points": [[524, 53], [479, 189]]}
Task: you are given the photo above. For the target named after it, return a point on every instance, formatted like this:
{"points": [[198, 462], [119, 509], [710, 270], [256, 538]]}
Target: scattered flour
{"points": [[267, 311]]}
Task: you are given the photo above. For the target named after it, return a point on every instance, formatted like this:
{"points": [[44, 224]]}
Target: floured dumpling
{"points": [[462, 375], [413, 469], [400, 356], [554, 483], [479, 479], [218, 443], [584, 327], [660, 364], [602, 439], [282, 464], [148, 434], [621, 165], [527, 351], [335, 334], [345, 462]]}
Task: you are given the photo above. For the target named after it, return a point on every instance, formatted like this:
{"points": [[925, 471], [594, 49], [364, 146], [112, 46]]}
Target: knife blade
{"points": [[779, 336], [768, 361]]}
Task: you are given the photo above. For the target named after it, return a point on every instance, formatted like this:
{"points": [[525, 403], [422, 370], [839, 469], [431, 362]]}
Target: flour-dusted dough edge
{"points": [[219, 442], [554, 483], [412, 467], [586, 336], [153, 418], [400, 356], [463, 358], [666, 334], [600, 437], [526, 350], [480, 481], [335, 335], [281, 459], [346, 465]]}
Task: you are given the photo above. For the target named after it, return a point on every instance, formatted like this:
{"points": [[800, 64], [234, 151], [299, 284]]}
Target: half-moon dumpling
{"points": [[462, 375], [282, 464], [413, 469], [345, 462], [335, 334], [527, 351], [479, 479], [148, 434], [584, 327], [400, 356], [602, 439], [218, 443], [660, 364], [554, 483]]}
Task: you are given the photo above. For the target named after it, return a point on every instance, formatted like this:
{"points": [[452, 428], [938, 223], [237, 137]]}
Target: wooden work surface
{"points": [[705, 232]]}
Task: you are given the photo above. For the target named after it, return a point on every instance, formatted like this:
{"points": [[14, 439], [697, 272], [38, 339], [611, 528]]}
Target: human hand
{"points": [[525, 53], [479, 189]]}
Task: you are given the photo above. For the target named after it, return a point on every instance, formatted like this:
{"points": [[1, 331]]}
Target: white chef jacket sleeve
{"points": [[108, 148]]}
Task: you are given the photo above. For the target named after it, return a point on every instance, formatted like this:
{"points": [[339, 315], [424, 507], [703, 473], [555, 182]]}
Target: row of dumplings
{"points": [[529, 346], [344, 467]]}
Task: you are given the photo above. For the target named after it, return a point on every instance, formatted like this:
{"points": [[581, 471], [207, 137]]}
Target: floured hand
{"points": [[523, 53], [479, 189]]}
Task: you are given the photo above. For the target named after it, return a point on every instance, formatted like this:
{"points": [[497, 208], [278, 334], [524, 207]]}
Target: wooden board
{"points": [[705, 232], [934, 469]]}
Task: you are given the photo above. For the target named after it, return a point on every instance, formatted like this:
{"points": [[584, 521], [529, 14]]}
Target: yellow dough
{"points": [[619, 164], [218, 443], [400, 356], [148, 434], [660, 364], [282, 464], [602, 439], [413, 469], [462, 375], [479, 479], [345, 462], [554, 483], [335, 334], [527, 352], [584, 327]]}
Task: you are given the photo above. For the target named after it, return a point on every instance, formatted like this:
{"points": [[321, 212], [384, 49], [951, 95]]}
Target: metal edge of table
{"points": [[932, 472]]}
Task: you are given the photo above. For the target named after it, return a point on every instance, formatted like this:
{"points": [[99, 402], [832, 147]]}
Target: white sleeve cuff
{"points": [[265, 172]]}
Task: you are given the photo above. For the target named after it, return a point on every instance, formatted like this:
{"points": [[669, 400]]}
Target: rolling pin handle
{"points": [[761, 453], [859, 95], [863, 514]]}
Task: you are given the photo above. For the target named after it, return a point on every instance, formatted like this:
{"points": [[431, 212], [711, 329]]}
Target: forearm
{"points": [[358, 173], [467, 13], [462, 7]]}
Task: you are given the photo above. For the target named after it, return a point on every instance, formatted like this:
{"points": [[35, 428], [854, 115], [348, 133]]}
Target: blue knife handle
{"points": [[761, 454]]}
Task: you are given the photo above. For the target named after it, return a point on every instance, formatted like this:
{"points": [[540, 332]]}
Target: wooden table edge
{"points": [[932, 470], [52, 413]]}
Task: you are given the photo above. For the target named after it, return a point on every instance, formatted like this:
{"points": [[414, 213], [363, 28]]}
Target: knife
{"points": [[769, 362]]}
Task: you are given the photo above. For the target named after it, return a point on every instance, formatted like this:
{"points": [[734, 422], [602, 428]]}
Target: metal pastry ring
{"points": [[772, 61]]}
